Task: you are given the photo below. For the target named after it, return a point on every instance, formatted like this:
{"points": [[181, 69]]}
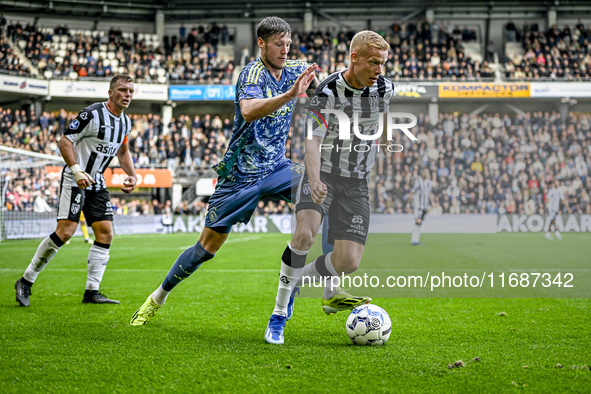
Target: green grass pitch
{"points": [[209, 335]]}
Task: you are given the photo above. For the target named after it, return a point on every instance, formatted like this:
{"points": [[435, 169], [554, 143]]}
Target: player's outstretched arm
{"points": [[312, 161], [126, 163], [83, 180], [253, 109]]}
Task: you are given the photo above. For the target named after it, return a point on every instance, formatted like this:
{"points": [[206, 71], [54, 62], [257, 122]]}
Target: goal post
{"points": [[29, 195]]}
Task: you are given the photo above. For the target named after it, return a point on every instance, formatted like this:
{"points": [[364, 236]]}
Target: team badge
{"points": [[373, 101], [74, 124], [83, 115], [212, 216], [306, 189], [75, 209]]}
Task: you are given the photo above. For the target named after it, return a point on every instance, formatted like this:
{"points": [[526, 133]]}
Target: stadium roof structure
{"points": [[254, 10]]}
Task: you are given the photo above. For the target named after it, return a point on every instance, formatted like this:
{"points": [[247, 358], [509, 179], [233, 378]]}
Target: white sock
{"points": [[159, 295], [416, 234], [329, 290], [557, 233], [98, 257], [288, 277], [45, 252]]}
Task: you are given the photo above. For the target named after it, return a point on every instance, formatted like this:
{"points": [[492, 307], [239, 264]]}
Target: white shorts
{"points": [[552, 214]]}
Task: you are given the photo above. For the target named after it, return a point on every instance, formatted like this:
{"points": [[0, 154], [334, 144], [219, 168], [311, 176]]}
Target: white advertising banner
{"points": [[459, 224], [9, 83], [86, 89], [560, 89], [205, 186], [99, 90], [537, 223], [153, 92]]}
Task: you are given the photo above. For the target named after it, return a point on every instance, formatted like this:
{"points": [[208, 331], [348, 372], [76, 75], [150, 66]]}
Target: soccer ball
{"points": [[369, 325]]}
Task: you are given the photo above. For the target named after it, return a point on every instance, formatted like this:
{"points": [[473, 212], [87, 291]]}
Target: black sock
{"points": [[26, 282]]}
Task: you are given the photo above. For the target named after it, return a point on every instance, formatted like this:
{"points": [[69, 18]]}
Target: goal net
{"points": [[29, 193]]}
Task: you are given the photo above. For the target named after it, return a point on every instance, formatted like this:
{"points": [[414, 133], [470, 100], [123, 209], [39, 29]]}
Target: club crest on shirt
{"points": [[75, 209], [374, 101]]}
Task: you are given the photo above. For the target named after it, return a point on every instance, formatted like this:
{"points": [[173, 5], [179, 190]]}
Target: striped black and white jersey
{"points": [[97, 135], [354, 157], [554, 196], [421, 193]]}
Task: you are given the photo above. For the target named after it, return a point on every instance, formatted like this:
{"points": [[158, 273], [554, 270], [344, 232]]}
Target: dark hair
{"points": [[271, 26], [119, 77]]}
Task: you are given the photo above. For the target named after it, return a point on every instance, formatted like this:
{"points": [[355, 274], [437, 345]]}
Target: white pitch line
{"points": [[230, 241], [145, 270]]}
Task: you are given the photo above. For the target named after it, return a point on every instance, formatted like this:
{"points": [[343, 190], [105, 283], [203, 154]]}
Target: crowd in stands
{"points": [[491, 163], [64, 53], [554, 54], [9, 62], [486, 163], [191, 142], [423, 50], [420, 51]]}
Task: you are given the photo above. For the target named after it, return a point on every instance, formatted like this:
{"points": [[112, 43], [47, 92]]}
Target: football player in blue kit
{"points": [[254, 166]]}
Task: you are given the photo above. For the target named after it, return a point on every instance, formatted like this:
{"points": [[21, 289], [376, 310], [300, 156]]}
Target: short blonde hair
{"points": [[368, 38]]}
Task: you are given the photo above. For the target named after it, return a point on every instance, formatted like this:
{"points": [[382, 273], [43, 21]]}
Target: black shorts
{"points": [[95, 204], [347, 205]]}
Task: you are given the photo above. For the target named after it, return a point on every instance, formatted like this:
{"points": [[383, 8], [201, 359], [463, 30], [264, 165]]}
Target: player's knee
{"points": [[346, 262], [303, 239], [65, 230], [104, 237]]}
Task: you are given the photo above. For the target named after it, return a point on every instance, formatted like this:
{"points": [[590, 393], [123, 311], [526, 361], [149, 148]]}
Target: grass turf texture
{"points": [[209, 335]]}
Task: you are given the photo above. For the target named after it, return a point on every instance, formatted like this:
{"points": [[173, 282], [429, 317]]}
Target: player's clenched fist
{"points": [[83, 179], [318, 191], [128, 184]]}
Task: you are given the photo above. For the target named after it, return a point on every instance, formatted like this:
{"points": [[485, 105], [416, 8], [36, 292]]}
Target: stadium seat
{"points": [[111, 55], [22, 44], [48, 74], [73, 75]]}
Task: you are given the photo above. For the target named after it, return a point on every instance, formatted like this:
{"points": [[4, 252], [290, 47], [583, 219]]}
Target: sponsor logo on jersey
{"points": [[284, 279], [83, 115]]}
